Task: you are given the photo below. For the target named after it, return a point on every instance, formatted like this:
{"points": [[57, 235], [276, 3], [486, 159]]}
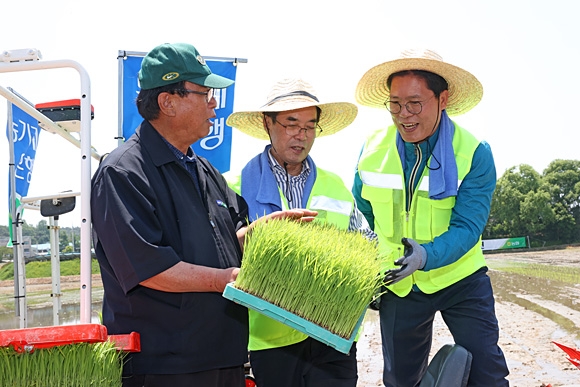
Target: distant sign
{"points": [[504, 243]]}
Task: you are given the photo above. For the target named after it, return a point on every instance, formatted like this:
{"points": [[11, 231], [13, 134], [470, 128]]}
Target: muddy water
{"points": [[42, 317], [522, 290]]}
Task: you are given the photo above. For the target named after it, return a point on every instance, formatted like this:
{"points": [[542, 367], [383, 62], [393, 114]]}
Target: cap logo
{"points": [[201, 60], [170, 76]]}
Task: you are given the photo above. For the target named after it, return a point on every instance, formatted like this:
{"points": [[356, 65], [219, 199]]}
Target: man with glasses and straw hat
{"points": [[425, 185], [284, 176]]}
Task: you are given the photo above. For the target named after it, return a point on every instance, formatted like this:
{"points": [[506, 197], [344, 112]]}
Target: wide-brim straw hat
{"points": [[465, 91], [292, 94]]}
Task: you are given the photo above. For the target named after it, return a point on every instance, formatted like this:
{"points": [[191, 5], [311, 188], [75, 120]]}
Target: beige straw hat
{"points": [[292, 94], [465, 91]]}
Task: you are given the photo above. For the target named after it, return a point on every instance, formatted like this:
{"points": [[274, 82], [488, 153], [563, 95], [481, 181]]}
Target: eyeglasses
{"points": [[413, 107], [294, 129], [208, 94]]}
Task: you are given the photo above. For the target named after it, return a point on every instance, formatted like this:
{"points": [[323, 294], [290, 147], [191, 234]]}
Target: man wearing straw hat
{"points": [[284, 176], [425, 186], [169, 231]]}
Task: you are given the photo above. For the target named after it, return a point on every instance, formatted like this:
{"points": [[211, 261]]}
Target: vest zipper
{"points": [[412, 177]]}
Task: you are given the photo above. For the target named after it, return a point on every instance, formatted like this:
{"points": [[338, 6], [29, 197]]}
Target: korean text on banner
{"points": [[25, 135], [217, 145]]}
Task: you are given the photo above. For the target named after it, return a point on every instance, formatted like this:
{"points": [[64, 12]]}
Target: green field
{"points": [[43, 269]]}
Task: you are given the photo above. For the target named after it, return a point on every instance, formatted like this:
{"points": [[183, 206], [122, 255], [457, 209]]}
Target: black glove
{"points": [[414, 259]]}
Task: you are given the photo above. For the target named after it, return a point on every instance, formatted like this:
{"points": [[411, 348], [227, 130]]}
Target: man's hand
{"points": [[298, 215], [414, 259]]}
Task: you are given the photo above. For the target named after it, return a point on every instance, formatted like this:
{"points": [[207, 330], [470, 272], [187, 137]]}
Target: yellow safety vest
{"points": [[334, 203], [382, 176]]}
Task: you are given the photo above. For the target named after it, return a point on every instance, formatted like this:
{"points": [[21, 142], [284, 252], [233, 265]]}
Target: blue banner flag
{"points": [[25, 135], [217, 145]]}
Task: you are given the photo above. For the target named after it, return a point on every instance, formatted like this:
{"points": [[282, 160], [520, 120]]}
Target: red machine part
{"points": [[250, 381], [29, 339], [573, 354]]}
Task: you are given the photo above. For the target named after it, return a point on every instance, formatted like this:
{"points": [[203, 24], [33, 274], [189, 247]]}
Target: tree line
{"points": [[69, 237], [544, 207]]}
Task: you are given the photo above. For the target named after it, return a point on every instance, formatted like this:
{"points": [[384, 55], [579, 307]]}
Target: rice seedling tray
{"points": [[292, 320]]}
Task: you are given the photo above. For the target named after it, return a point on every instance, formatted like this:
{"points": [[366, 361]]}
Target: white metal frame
{"points": [[86, 153]]}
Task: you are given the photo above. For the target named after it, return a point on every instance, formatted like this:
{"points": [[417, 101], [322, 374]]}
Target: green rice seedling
{"points": [[72, 365], [316, 271]]}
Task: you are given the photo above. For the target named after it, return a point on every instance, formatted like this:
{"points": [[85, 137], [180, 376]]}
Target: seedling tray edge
{"points": [[292, 320]]}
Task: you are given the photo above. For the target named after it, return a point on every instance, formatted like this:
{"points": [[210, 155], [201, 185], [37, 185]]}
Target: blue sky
{"points": [[525, 53]]}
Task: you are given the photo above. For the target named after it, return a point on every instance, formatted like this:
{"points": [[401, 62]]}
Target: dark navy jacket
{"points": [[147, 216]]}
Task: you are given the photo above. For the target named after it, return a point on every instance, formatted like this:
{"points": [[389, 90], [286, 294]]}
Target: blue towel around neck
{"points": [[443, 181], [260, 189]]}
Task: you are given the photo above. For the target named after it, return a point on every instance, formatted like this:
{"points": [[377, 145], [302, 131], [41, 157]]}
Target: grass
{"points": [[43, 269], [318, 272]]}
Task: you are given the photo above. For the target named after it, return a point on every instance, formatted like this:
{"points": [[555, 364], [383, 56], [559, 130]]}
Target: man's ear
{"points": [[443, 98], [265, 122], [166, 102]]}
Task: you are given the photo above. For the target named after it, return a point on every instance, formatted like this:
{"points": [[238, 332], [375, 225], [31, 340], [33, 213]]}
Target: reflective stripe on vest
{"points": [[329, 204], [330, 197], [392, 181], [381, 180]]}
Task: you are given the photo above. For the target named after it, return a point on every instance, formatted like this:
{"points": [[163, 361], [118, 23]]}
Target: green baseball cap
{"points": [[172, 63]]}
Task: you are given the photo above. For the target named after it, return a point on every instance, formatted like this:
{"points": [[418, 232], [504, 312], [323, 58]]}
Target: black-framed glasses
{"points": [[294, 129], [413, 107], [208, 94]]}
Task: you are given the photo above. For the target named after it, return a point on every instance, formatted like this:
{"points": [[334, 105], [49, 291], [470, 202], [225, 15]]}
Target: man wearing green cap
{"points": [[168, 234]]}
